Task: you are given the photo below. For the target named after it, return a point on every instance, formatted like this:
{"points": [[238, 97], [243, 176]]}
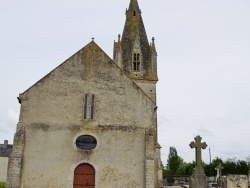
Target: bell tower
{"points": [[134, 54]]}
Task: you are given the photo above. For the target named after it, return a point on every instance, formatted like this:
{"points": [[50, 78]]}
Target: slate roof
{"points": [[5, 152]]}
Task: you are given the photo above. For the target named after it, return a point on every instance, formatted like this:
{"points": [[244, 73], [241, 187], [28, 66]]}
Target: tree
{"points": [[210, 168], [174, 162], [186, 169], [177, 167], [242, 167], [230, 166]]}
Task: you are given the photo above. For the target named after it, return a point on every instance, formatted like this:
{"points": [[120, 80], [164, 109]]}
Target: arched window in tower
{"points": [[134, 13], [136, 62]]}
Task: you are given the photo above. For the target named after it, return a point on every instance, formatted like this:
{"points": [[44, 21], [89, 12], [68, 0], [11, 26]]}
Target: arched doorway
{"points": [[84, 176]]}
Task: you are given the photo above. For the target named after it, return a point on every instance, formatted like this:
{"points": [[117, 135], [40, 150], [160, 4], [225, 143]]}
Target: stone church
{"points": [[92, 121]]}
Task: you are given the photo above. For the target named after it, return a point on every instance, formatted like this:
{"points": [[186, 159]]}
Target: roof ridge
{"points": [[92, 42]]}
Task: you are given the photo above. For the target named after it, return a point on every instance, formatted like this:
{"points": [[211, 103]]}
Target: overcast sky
{"points": [[203, 62]]}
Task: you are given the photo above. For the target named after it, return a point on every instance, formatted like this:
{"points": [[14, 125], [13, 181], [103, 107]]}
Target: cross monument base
{"points": [[198, 181]]}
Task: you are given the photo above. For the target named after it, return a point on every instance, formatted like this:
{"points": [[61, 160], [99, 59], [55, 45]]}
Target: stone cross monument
{"points": [[198, 146], [219, 169], [198, 178]]}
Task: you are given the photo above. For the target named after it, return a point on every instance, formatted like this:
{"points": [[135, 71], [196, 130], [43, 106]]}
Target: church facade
{"points": [[92, 121]]}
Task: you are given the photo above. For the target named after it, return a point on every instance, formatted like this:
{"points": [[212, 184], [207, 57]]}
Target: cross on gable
{"points": [[198, 146]]}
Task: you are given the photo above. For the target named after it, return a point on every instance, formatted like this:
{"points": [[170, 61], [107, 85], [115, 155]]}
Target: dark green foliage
{"points": [[210, 168], [231, 166], [186, 169], [2, 184], [177, 167], [242, 167]]}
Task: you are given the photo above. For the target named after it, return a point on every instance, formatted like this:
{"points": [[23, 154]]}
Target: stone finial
{"points": [[152, 44], [198, 146], [5, 145], [93, 38], [119, 38]]}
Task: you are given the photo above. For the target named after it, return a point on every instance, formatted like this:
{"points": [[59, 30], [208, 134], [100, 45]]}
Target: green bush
{"points": [[2, 184]]}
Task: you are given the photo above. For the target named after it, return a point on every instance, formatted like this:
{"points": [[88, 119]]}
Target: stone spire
{"points": [[133, 53], [134, 5], [136, 52]]}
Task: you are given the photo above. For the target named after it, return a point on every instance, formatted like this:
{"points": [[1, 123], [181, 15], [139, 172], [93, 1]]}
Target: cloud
{"points": [[7, 127], [12, 115], [205, 132]]}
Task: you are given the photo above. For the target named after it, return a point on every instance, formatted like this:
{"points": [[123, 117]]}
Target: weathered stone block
{"points": [[235, 181], [198, 181]]}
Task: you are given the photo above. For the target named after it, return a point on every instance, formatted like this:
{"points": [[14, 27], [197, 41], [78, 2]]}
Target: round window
{"points": [[86, 142]]}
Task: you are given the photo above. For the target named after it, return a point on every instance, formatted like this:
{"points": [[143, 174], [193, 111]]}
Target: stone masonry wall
{"points": [[3, 168], [52, 115]]}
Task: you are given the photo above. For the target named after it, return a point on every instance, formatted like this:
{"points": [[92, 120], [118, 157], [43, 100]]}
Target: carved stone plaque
{"points": [[86, 142]]}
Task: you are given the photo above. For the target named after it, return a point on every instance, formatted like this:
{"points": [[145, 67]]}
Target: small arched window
{"points": [[134, 13], [136, 62]]}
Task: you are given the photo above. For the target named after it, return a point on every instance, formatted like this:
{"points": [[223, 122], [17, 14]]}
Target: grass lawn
{"points": [[2, 184]]}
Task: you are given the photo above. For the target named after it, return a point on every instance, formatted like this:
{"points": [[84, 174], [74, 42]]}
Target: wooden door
{"points": [[84, 176]]}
